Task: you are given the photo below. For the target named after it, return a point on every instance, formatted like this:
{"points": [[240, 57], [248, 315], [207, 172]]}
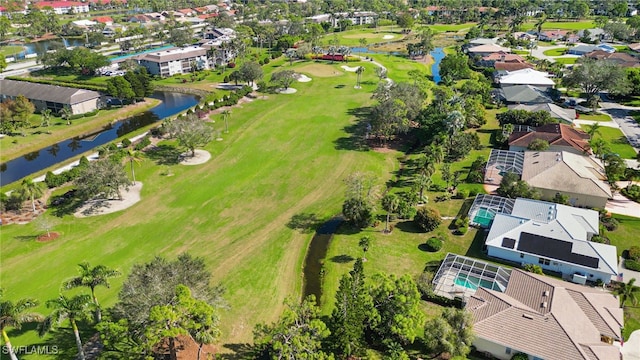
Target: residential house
{"points": [[483, 41], [175, 61], [187, 12], [155, 16], [363, 17], [524, 94], [519, 35], [635, 47], [64, 7], [51, 97], [555, 237], [84, 24], [585, 49], [107, 20], [140, 19], [320, 18], [491, 59], [552, 35], [510, 66], [526, 77], [620, 59], [595, 35], [546, 318], [556, 112], [484, 50], [581, 178], [560, 137]]}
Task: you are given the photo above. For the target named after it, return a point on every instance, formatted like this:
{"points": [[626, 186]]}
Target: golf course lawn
{"points": [[379, 35], [284, 155], [9, 50], [556, 52], [568, 25]]}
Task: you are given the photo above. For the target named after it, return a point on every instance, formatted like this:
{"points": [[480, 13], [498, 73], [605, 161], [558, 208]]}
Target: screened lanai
{"points": [[485, 207], [501, 162], [460, 276]]}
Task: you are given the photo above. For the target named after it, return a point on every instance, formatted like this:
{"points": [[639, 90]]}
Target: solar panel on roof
{"points": [[508, 243], [554, 249]]}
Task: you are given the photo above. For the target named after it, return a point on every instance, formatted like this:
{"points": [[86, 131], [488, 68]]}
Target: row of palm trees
{"points": [[14, 314]]}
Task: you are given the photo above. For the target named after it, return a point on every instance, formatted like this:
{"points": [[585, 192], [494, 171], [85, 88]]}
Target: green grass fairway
{"points": [[617, 142], [451, 27], [595, 117], [566, 61], [570, 25], [9, 50], [556, 52], [352, 37], [285, 155]]}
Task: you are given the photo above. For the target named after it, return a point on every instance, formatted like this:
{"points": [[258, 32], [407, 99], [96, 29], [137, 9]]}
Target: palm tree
{"points": [[427, 166], [133, 156], [436, 152], [423, 182], [359, 72], [364, 243], [390, 203], [363, 43], [539, 24], [74, 308], [594, 129], [225, 116], [13, 314], [46, 117], [92, 277], [627, 291], [66, 114], [454, 123], [32, 190]]}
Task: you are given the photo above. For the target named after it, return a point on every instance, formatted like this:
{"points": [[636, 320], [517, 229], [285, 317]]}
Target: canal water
{"points": [[437, 54], [313, 263], [16, 169], [40, 47]]}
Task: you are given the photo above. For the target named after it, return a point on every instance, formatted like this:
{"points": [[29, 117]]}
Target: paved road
{"points": [[620, 114]]}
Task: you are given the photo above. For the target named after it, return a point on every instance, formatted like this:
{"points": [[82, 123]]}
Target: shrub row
{"points": [[230, 99], [632, 192], [52, 180], [632, 264], [76, 85]]}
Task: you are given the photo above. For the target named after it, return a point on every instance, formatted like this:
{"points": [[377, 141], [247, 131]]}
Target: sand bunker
{"points": [[303, 78], [102, 206], [201, 157], [349, 68], [387, 37], [286, 91]]}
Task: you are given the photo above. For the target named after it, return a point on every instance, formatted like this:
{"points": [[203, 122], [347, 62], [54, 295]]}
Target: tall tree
{"points": [[390, 203], [119, 87], [397, 302], [359, 72], [364, 243], [627, 292], [250, 72], [31, 190], [133, 157], [92, 277], [184, 316], [75, 308], [594, 76], [226, 114], [190, 132], [450, 333], [14, 314], [46, 118], [353, 309], [298, 334]]}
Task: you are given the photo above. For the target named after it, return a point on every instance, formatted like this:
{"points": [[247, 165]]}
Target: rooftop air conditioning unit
{"points": [[579, 279]]}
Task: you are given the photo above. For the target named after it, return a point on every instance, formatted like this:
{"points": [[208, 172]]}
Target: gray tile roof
{"points": [[525, 94], [52, 93], [173, 54], [565, 329]]}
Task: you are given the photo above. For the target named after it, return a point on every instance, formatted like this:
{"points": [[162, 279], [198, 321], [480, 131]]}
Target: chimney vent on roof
{"points": [[544, 305], [545, 293], [527, 316]]}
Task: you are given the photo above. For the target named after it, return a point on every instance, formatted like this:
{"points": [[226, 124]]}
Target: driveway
{"points": [[631, 348], [620, 114], [623, 206], [539, 52]]}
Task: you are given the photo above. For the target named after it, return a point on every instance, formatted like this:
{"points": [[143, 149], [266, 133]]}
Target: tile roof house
{"points": [[585, 49], [620, 59], [635, 47], [51, 97], [526, 77], [63, 7], [489, 60], [552, 35], [107, 20], [556, 237], [579, 177], [487, 49], [560, 137], [525, 94], [563, 115], [511, 66], [546, 318]]}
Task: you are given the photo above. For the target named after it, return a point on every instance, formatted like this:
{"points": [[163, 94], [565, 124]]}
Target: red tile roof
{"points": [[185, 11], [103, 19], [58, 4], [503, 56], [622, 59], [554, 134], [512, 66], [206, 16]]}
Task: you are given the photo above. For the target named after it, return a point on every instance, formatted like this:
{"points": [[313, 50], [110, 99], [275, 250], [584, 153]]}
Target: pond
{"points": [[313, 263], [437, 54], [40, 47], [16, 169]]}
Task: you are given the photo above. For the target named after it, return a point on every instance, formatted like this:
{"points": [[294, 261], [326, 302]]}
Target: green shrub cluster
{"points": [[428, 219], [76, 84], [632, 261], [461, 225], [230, 99], [434, 244], [632, 264], [536, 269], [632, 192], [143, 143], [55, 180]]}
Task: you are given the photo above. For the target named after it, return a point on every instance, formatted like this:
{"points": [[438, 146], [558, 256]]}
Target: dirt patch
{"points": [[287, 91], [319, 70], [48, 237]]}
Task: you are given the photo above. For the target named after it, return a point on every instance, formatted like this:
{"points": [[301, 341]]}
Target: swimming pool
{"points": [[472, 282], [484, 217]]}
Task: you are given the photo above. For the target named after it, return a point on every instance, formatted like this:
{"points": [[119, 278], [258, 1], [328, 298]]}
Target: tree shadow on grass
{"points": [[26, 238], [356, 132], [476, 249], [240, 352], [342, 259], [305, 222], [409, 226], [164, 154], [61, 344], [66, 205], [347, 229]]}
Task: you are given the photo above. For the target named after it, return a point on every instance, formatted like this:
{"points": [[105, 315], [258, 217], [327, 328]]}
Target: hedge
{"points": [[76, 85], [434, 244], [632, 264]]}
